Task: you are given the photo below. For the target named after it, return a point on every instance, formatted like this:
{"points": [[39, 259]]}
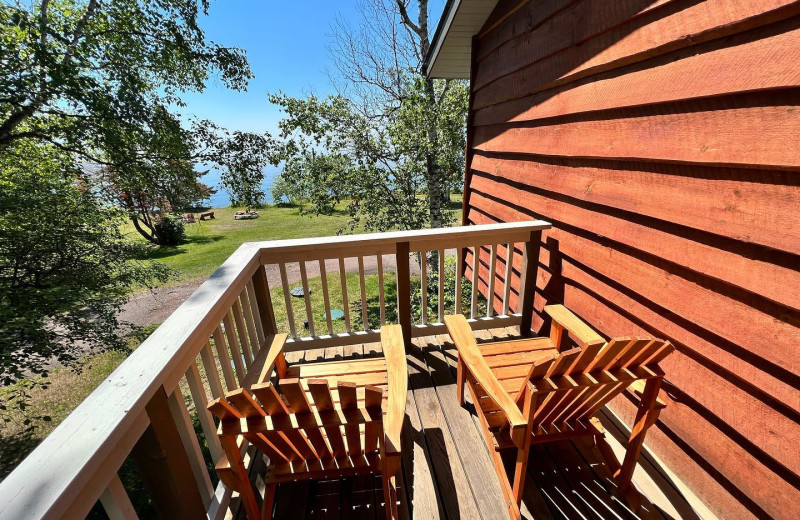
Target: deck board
{"points": [[447, 472]]}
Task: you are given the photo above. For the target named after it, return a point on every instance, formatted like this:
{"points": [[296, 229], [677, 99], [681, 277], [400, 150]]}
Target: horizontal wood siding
{"points": [[662, 140]]}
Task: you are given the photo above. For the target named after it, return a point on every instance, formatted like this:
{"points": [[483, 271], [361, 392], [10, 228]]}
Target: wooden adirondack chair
{"points": [[533, 390], [320, 421]]}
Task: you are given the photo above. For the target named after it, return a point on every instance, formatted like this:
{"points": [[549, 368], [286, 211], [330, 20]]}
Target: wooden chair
{"points": [[320, 421], [535, 390]]}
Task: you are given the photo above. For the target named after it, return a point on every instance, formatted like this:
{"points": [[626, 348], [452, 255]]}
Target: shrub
{"points": [[170, 231]]}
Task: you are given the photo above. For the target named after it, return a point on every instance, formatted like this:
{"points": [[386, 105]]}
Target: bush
{"points": [[170, 231]]}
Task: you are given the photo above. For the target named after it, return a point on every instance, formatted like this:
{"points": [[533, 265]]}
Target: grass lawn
{"points": [[211, 242], [371, 283]]}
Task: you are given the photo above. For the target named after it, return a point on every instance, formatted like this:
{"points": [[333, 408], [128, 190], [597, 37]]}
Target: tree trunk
{"points": [[150, 236], [433, 173]]}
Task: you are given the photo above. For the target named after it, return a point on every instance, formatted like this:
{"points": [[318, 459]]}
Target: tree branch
{"points": [[403, 8]]}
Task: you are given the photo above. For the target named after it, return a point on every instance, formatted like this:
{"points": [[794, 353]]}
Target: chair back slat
{"points": [[296, 396], [563, 362], [224, 410], [348, 401], [644, 353], [245, 403], [629, 353], [241, 404], [587, 380], [321, 393], [588, 354], [275, 407], [665, 349], [373, 399], [608, 353]]}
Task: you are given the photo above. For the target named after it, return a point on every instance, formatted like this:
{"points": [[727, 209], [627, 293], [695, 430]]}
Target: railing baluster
{"points": [[492, 275], [364, 317], [381, 290], [212, 372], [233, 343], [509, 269], [459, 270], [191, 446], [423, 280], [116, 502], [287, 298], [253, 319], [323, 276], [345, 302], [307, 297], [224, 360], [441, 285], [241, 331], [476, 262], [200, 399]]}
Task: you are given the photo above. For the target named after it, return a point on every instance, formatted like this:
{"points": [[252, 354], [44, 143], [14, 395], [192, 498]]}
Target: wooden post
{"points": [[404, 290], [164, 465], [530, 267], [264, 300]]}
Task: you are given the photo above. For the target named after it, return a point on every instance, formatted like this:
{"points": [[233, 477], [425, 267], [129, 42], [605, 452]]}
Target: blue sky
{"points": [[287, 47]]}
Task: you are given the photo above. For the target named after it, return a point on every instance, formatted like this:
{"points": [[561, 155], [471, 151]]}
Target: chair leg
{"points": [[269, 501], [512, 506], [646, 416], [521, 466], [244, 487], [390, 496], [461, 381]]}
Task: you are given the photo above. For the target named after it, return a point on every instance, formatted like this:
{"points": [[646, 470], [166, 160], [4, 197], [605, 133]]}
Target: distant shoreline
{"points": [[221, 199]]}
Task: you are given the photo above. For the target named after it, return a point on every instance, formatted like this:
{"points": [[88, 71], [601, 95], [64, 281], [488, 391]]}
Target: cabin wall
{"points": [[662, 140]]}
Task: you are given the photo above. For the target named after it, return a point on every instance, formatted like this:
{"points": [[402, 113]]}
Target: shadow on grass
{"points": [[15, 447], [159, 252]]}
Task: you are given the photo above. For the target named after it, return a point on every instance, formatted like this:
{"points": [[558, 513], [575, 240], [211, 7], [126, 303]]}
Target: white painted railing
{"points": [[209, 342]]}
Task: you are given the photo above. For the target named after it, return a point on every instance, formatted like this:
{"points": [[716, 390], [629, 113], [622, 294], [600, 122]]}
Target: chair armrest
{"points": [[269, 358], [394, 351], [563, 317], [473, 361]]}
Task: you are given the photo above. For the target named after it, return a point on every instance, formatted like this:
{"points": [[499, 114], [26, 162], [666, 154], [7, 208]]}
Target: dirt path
{"points": [[155, 306]]}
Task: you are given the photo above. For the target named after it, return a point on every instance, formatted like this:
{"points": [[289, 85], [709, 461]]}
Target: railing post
{"points": [[404, 290], [530, 267], [264, 300], [164, 465]]}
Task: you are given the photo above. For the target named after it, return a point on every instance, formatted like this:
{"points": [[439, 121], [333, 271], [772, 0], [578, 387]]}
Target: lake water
{"points": [[221, 199]]}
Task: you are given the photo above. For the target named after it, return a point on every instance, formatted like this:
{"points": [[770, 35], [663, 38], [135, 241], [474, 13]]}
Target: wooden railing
{"points": [[143, 410]]}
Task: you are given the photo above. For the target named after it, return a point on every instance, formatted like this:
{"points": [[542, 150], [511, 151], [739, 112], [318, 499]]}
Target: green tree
{"points": [[65, 268], [403, 133], [89, 93], [98, 78]]}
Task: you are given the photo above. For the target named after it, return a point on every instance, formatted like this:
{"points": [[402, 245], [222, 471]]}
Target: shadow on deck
{"points": [[447, 471]]}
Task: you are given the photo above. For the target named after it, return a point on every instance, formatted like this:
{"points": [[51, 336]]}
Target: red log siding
{"points": [[662, 140]]}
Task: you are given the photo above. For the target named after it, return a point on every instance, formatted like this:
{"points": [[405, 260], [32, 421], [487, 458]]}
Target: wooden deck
{"points": [[447, 472]]}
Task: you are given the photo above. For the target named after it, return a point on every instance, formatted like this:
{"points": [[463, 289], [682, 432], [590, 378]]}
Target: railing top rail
{"points": [[424, 239], [83, 449]]}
